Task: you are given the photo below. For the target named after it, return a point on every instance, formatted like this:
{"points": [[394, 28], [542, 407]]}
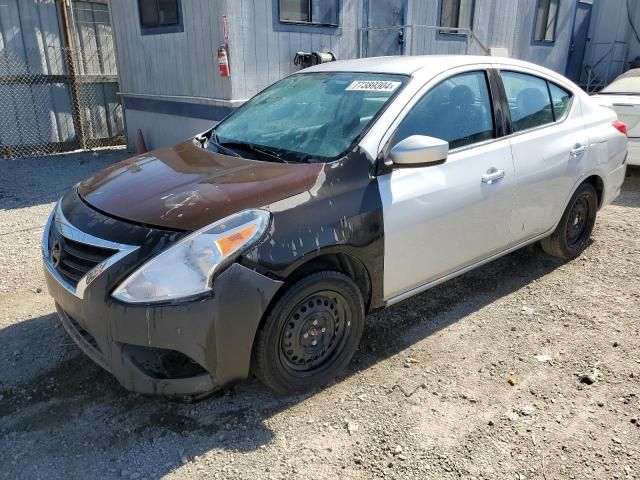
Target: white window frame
{"points": [[545, 28]]}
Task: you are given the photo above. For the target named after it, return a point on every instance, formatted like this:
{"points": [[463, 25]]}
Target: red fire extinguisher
{"points": [[223, 62]]}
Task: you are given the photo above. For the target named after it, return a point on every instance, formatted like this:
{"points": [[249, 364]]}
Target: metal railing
{"points": [[606, 68], [418, 45]]}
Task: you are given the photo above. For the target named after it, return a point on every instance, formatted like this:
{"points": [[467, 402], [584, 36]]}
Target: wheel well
{"points": [[339, 262], [598, 184]]}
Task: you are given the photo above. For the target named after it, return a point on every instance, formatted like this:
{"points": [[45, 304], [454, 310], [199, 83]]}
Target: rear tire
{"points": [[570, 237], [310, 334]]}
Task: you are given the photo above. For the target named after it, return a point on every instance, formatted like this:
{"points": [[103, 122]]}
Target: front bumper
{"points": [[177, 349]]}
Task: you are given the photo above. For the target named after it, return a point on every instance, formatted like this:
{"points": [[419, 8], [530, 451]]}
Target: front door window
{"points": [[457, 110]]}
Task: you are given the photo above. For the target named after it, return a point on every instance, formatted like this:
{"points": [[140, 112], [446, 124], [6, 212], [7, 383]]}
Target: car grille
{"points": [[72, 259], [88, 338]]}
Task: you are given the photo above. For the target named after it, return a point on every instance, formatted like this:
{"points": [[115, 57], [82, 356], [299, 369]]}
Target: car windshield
{"points": [[310, 116], [627, 83]]}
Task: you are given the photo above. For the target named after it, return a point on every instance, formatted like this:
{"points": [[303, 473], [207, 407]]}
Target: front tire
{"points": [[310, 334], [570, 237]]}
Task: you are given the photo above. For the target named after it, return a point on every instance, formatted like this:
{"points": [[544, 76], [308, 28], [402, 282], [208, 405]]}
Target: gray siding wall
{"points": [[95, 56], [493, 24], [497, 23], [260, 55], [93, 39], [30, 29], [162, 127], [30, 46], [268, 54], [552, 56], [182, 67], [182, 64], [35, 102], [612, 41], [633, 49]]}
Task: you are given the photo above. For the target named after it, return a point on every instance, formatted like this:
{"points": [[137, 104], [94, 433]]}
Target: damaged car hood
{"points": [[186, 187]]}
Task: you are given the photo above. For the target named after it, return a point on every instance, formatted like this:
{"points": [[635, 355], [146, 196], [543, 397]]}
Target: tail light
{"points": [[620, 126]]}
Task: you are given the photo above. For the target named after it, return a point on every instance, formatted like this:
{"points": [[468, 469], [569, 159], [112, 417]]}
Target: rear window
{"points": [[534, 101], [560, 100]]}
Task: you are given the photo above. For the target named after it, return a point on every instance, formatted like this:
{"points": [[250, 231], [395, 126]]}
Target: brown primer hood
{"points": [[186, 187]]}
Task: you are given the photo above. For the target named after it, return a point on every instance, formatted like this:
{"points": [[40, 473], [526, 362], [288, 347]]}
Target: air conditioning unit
{"points": [[499, 51]]}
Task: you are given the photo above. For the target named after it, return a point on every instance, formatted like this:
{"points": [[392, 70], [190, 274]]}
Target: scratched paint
{"points": [[317, 209], [344, 214], [185, 187], [215, 330]]}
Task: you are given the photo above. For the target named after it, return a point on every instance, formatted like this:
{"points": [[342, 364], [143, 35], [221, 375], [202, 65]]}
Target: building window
{"points": [[546, 20], [309, 12], [160, 16], [456, 14]]}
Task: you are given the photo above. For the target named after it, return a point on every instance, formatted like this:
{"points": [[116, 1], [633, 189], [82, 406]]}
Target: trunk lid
{"points": [[627, 107]]}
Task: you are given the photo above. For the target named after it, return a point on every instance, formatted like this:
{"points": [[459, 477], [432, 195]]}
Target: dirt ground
{"points": [[482, 377]]}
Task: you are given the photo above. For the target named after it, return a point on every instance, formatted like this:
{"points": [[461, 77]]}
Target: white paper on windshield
{"points": [[373, 86]]}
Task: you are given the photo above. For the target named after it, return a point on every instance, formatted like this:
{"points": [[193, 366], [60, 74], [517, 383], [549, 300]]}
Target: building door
{"points": [[579, 41], [384, 33]]}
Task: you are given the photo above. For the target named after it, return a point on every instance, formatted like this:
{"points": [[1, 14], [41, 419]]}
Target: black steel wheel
{"points": [[310, 334], [578, 221], [316, 330], [572, 234]]}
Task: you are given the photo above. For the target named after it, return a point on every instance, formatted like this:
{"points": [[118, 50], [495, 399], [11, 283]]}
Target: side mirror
{"points": [[419, 151]]}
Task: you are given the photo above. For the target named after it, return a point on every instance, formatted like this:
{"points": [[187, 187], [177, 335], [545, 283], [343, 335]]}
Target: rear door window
{"points": [[457, 110], [529, 100], [561, 99]]}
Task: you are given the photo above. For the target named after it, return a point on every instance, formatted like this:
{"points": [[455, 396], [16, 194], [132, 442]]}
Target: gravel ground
{"points": [[525, 368]]}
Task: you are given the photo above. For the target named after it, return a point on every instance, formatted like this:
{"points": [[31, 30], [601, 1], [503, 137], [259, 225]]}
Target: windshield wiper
{"points": [[258, 150], [617, 93], [212, 139]]}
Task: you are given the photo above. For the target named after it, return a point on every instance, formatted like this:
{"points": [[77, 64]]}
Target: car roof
{"points": [[428, 66], [423, 64]]}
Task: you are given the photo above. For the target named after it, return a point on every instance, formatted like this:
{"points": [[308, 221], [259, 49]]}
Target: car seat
{"points": [[531, 105]]}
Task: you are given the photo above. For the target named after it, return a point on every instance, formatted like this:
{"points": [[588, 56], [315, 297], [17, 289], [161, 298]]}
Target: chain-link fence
{"points": [[36, 115], [56, 99], [96, 74]]}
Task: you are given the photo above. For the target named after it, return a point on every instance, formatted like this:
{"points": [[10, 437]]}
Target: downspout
{"points": [[232, 87], [71, 71], [114, 36]]}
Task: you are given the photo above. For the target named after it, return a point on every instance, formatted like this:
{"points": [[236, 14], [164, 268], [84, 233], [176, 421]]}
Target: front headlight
{"points": [[186, 268]]}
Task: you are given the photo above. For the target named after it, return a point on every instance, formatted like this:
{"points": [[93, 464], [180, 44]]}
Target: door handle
{"points": [[492, 175], [577, 150]]}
